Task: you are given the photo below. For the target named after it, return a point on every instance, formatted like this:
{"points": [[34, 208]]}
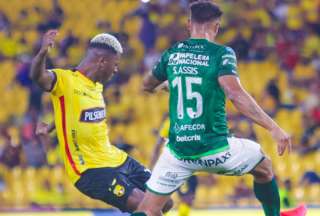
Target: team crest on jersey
{"points": [[93, 115]]}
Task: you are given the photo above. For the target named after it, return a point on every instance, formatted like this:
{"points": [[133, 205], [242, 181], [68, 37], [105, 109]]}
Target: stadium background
{"points": [[278, 48]]}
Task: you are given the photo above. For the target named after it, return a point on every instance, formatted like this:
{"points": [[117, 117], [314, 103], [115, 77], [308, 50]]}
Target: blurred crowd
{"points": [[284, 32]]}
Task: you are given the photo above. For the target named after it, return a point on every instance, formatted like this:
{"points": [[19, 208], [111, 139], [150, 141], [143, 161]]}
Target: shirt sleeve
{"points": [[227, 64], [59, 81], [160, 69]]}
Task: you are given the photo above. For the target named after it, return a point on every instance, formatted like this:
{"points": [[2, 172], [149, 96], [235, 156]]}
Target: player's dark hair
{"points": [[102, 46], [204, 11]]}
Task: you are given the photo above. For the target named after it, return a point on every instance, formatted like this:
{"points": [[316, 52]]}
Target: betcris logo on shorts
{"points": [[93, 115]]}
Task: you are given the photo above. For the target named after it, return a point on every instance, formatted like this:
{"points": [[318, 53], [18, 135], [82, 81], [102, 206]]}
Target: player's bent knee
{"points": [[263, 172]]}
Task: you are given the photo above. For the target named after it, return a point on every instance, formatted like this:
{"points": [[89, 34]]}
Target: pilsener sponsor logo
{"points": [[93, 115]]}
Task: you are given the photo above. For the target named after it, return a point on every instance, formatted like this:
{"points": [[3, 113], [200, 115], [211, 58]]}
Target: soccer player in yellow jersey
{"points": [[95, 167]]}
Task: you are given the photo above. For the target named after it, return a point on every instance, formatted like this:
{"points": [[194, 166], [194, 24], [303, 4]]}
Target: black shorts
{"points": [[114, 185]]}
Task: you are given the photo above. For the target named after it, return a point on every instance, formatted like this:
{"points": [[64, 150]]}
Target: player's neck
{"points": [[198, 31], [203, 35], [87, 72]]}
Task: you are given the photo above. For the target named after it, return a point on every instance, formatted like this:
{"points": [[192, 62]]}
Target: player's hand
{"points": [[283, 139], [42, 129], [48, 39]]}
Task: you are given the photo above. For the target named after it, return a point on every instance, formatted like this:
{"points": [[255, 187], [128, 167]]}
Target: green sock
{"points": [[268, 195], [138, 214]]}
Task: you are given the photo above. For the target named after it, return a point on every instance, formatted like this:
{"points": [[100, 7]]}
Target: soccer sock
{"points": [[268, 195], [138, 214]]}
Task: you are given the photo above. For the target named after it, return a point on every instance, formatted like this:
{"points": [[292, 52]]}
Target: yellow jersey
{"points": [[80, 120]]}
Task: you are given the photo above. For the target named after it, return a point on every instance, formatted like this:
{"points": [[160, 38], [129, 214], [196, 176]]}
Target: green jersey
{"points": [[198, 125]]}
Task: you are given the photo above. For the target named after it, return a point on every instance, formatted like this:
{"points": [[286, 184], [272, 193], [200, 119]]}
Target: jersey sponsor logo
{"points": [[93, 115], [229, 59], [209, 162], [185, 46], [189, 59], [189, 127], [185, 70], [188, 138]]}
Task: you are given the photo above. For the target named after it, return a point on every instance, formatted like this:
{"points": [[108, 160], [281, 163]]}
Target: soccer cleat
{"points": [[301, 210]]}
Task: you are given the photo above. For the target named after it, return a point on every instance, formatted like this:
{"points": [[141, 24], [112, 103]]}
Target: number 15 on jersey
{"points": [[190, 94]]}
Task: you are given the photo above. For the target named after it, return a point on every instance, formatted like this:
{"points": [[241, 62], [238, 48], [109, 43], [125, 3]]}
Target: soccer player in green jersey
{"points": [[201, 74]]}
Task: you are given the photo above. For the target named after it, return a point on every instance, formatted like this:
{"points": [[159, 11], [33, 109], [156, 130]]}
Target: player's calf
{"points": [[266, 188]]}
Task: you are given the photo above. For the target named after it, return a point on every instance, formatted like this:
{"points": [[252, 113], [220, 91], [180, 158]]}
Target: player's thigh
{"points": [[168, 174], [137, 174], [242, 157], [110, 186]]}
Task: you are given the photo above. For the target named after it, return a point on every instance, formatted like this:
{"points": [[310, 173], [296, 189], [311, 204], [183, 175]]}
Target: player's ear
{"points": [[189, 24], [217, 26]]}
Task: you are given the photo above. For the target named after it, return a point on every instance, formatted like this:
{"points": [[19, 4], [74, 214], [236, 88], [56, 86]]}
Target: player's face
{"points": [[110, 67]]}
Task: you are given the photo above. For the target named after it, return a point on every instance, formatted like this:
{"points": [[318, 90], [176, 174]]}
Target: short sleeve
{"points": [[227, 62], [59, 81], [160, 69]]}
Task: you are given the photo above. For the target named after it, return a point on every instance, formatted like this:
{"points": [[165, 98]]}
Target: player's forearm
{"points": [[150, 83], [248, 107], [38, 67]]}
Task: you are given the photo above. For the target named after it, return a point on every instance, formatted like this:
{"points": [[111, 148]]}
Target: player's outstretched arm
{"points": [[38, 73], [151, 83], [248, 106]]}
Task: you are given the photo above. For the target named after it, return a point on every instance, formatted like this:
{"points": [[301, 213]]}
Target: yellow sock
{"points": [[184, 210]]}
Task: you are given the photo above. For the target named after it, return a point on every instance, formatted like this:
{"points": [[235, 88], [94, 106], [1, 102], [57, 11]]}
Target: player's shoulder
{"points": [[62, 72], [223, 49]]}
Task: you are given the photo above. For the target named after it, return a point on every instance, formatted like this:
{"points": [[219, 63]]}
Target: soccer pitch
{"points": [[235, 212], [221, 212]]}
